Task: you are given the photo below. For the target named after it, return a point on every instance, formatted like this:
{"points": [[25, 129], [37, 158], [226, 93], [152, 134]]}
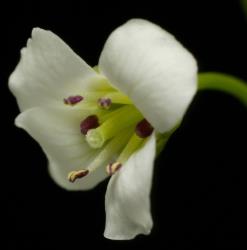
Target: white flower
{"points": [[86, 119]]}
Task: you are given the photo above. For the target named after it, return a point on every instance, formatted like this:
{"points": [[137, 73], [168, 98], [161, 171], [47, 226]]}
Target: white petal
{"points": [[153, 69], [48, 71], [57, 130], [127, 197]]}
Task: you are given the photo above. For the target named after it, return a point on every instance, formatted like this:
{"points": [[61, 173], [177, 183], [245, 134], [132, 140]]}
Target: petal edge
{"points": [[127, 198]]}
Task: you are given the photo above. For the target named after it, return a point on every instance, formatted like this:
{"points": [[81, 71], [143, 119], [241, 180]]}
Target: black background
{"points": [[198, 189]]}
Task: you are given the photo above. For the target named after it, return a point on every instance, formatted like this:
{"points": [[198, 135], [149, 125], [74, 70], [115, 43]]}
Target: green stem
{"points": [[211, 81], [223, 82]]}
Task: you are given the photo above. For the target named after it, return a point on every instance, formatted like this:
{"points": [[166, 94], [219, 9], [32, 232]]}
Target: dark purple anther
{"points": [[104, 102], [89, 123], [72, 100], [144, 129]]}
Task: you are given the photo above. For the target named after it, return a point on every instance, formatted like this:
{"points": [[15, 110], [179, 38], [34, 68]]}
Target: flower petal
{"points": [[57, 130], [48, 71], [153, 69], [127, 198]]}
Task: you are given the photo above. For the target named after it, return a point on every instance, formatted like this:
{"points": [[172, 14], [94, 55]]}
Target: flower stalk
{"points": [[225, 83]]}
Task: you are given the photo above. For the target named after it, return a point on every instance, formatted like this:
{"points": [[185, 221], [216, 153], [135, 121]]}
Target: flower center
{"points": [[125, 117], [115, 126]]}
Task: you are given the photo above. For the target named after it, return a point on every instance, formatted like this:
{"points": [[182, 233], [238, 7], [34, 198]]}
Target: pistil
{"points": [[126, 117], [111, 149], [108, 153]]}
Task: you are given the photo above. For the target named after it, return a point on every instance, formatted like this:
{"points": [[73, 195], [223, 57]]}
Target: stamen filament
{"points": [[118, 98], [111, 149], [93, 96], [108, 115], [115, 96], [134, 143]]}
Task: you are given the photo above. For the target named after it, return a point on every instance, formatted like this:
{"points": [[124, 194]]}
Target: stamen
{"points": [[118, 98], [91, 122], [112, 168], [72, 100], [127, 116], [144, 129], [105, 94], [134, 143], [74, 175], [104, 103], [111, 149]]}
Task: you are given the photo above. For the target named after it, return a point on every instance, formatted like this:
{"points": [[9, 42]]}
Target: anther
{"points": [[104, 103], [74, 175], [72, 100], [89, 123], [144, 129], [112, 168]]}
